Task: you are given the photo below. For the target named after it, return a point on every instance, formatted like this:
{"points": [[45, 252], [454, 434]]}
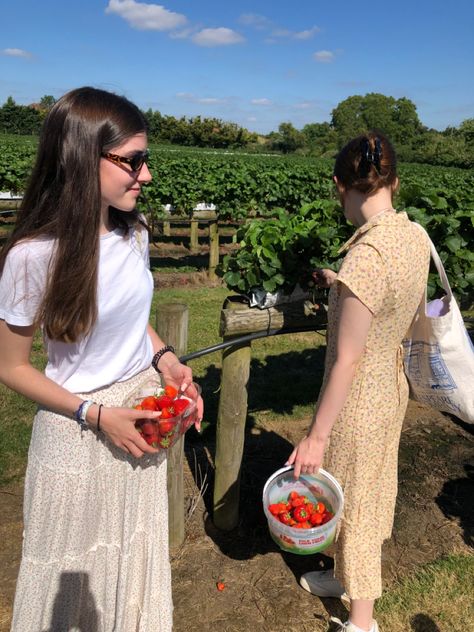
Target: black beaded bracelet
{"points": [[159, 354]]}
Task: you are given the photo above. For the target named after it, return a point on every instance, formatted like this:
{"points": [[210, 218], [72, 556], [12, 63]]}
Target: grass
{"points": [[437, 598], [273, 393]]}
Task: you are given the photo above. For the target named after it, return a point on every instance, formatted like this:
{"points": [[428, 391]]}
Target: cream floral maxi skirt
{"points": [[95, 549]]}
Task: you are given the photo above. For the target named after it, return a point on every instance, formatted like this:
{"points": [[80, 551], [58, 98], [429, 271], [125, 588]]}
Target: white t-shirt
{"points": [[118, 347]]}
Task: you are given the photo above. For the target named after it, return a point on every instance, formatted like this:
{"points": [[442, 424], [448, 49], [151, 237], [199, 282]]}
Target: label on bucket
{"points": [[302, 546]]}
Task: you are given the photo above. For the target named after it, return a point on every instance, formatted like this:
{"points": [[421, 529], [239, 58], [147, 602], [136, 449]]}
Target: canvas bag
{"points": [[439, 354]]}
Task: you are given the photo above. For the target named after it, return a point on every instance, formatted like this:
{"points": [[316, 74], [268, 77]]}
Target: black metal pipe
{"points": [[247, 338]]}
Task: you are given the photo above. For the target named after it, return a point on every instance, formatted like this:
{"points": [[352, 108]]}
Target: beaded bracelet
{"points": [[158, 355]]}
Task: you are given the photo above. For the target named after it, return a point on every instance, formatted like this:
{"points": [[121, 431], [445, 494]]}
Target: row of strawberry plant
{"points": [[298, 194], [281, 252]]}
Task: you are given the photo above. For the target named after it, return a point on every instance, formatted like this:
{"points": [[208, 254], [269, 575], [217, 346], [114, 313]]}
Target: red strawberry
{"points": [[180, 404], [166, 427], [167, 412], [171, 391], [163, 401], [152, 440], [148, 428], [149, 403]]}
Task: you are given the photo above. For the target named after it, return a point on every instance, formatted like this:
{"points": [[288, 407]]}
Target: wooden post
{"points": [[172, 327], [194, 241], [10, 205], [167, 229], [230, 435], [213, 249], [243, 320]]}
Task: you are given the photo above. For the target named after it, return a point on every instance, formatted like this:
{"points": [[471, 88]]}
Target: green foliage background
{"points": [[292, 221]]}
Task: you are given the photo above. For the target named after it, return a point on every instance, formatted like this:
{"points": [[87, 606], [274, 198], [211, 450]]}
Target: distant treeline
{"points": [[397, 118]]}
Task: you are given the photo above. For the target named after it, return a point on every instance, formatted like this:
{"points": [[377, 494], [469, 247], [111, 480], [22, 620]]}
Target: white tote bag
{"points": [[439, 355]]}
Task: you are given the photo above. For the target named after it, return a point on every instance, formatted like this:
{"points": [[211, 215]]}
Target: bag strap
{"points": [[438, 263]]}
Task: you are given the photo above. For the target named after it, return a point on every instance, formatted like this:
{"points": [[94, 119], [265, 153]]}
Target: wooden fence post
{"points": [[172, 327], [194, 241], [167, 229], [213, 249], [230, 434]]}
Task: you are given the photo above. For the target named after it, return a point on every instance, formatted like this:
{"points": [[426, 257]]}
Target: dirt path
{"points": [[434, 517]]}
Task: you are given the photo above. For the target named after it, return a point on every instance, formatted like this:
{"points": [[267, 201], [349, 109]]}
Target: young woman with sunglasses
{"points": [[357, 424], [95, 549]]}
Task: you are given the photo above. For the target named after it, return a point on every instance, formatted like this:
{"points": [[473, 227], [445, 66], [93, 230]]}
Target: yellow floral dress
{"points": [[386, 267]]}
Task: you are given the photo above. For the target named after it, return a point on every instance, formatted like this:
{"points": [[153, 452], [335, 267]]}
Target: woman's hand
{"points": [[181, 376], [119, 425], [324, 277], [307, 457]]}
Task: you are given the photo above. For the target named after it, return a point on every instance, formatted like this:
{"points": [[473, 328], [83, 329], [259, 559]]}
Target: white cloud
{"points": [[307, 34], [146, 17], [259, 22], [295, 35], [217, 37], [188, 96], [261, 101], [17, 52], [323, 56]]}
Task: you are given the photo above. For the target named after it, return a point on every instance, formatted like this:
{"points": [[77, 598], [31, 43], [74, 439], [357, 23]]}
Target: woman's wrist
{"points": [[93, 416], [164, 358], [316, 433]]}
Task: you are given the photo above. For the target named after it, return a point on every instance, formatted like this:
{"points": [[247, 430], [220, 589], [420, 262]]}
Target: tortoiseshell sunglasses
{"points": [[135, 162]]}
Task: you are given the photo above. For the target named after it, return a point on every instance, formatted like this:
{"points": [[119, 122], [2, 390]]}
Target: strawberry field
{"points": [[295, 196]]}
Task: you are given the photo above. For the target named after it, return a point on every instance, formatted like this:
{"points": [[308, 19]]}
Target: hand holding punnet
{"points": [[119, 425]]}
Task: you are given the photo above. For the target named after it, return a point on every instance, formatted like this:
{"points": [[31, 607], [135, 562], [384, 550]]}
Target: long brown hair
{"points": [[367, 163], [63, 201]]}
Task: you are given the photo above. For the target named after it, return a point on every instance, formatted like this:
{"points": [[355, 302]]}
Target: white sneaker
{"points": [[323, 584], [350, 627]]}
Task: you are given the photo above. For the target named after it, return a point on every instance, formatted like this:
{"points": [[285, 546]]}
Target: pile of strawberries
{"points": [[159, 433], [300, 513]]}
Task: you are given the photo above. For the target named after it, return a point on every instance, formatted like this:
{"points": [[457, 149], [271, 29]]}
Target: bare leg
{"points": [[361, 613]]}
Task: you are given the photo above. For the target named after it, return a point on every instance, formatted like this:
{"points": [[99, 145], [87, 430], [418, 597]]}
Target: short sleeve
{"points": [[23, 282], [363, 272], [141, 242]]}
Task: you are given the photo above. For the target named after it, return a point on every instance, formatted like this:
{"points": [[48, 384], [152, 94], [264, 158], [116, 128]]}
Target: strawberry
{"points": [[163, 401], [152, 440], [148, 428], [166, 427], [164, 442], [149, 403], [171, 391], [180, 404], [167, 412]]}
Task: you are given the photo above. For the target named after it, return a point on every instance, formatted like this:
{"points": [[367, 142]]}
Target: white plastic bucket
{"points": [[322, 487]]}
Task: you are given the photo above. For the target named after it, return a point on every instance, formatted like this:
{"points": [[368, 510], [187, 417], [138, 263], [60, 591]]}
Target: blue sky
{"points": [[255, 63]]}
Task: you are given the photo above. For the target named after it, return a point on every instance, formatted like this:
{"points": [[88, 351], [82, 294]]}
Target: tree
{"points": [[397, 118], [46, 102], [288, 138], [19, 119], [320, 138]]}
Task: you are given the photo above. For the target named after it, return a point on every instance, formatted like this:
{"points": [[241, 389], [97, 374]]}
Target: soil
{"points": [[434, 517]]}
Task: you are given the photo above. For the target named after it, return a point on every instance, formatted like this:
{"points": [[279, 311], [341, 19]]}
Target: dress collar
{"points": [[387, 218]]}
